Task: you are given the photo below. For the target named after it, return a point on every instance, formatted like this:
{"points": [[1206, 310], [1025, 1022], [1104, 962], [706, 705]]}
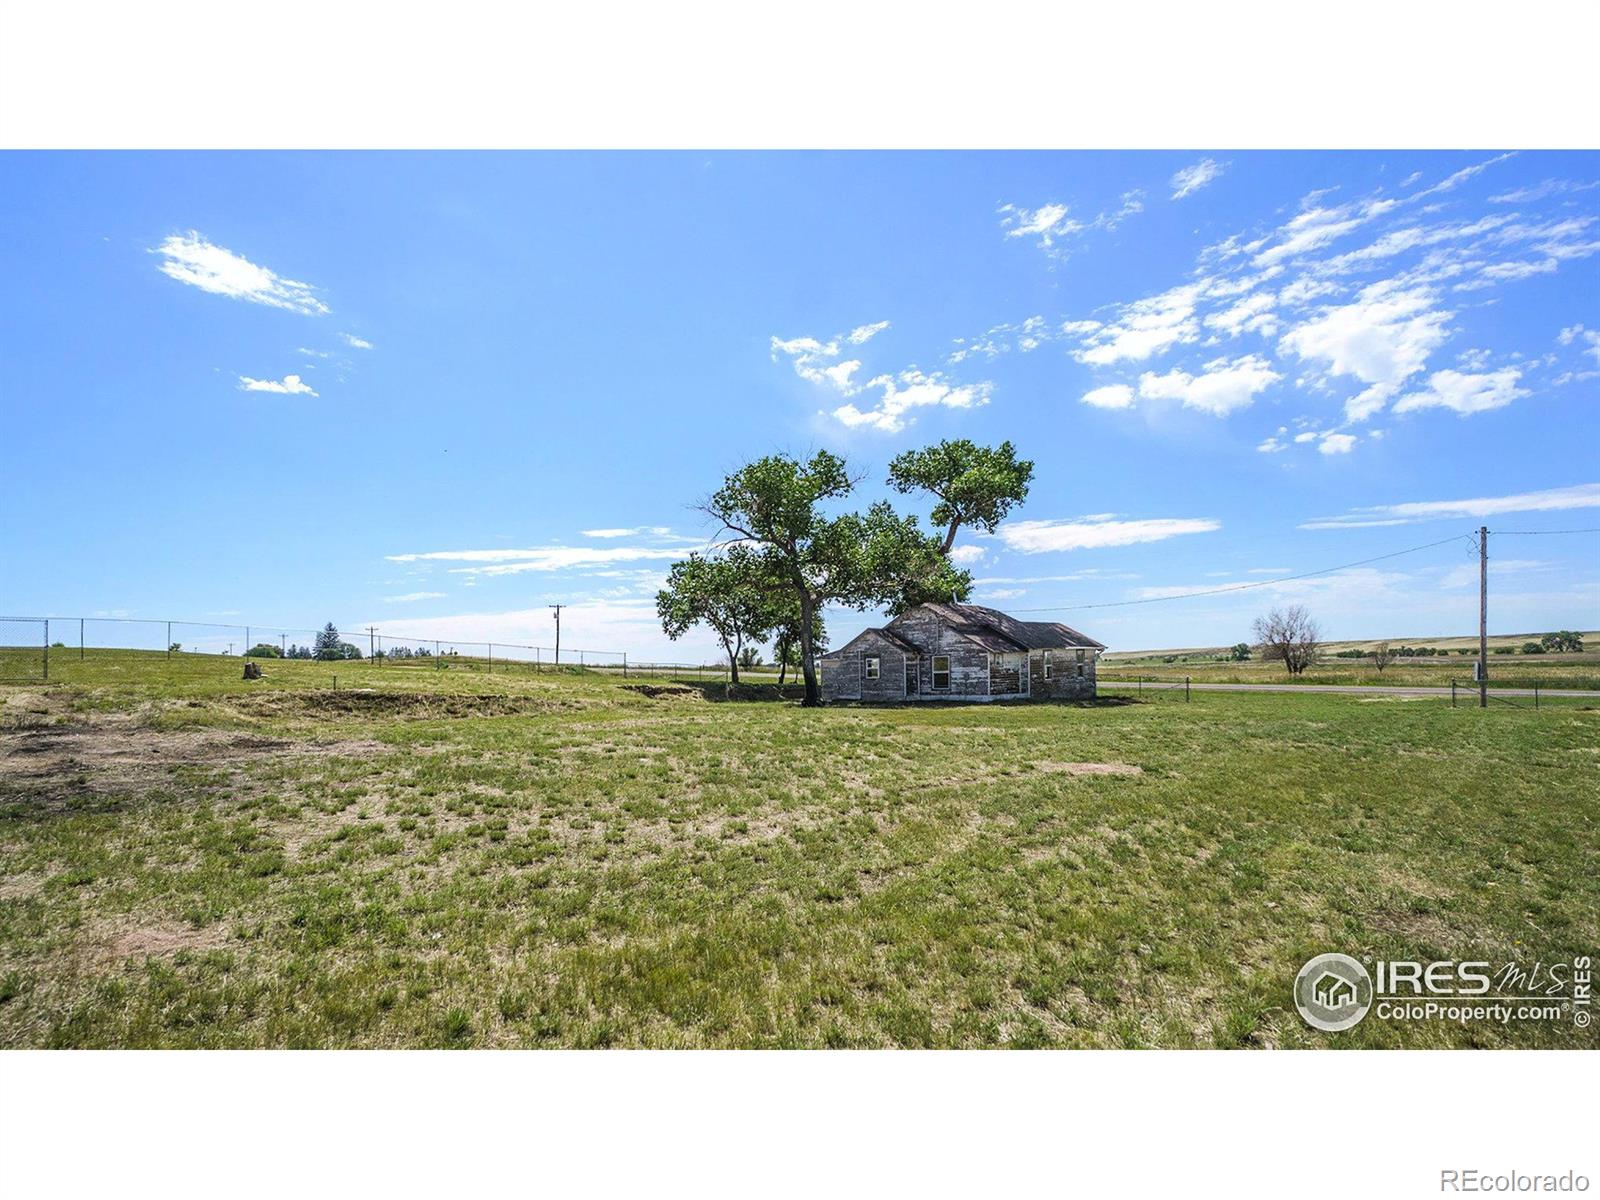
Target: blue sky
{"points": [[438, 392]]}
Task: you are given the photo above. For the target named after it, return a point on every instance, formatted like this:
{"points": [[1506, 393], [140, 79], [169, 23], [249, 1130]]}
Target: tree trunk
{"points": [[808, 666], [731, 649]]}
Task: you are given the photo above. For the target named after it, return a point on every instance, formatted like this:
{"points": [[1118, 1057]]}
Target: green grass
{"points": [[453, 859]]}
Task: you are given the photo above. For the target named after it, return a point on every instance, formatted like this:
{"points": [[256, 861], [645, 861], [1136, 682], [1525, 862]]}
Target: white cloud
{"points": [[1583, 495], [1193, 178], [1145, 327], [1466, 393], [412, 597], [190, 258], [356, 342], [1590, 338], [539, 558], [1336, 443], [1002, 593], [1038, 537], [659, 531], [1047, 222], [968, 555], [862, 333], [1223, 387], [1460, 177], [289, 385], [1538, 191], [909, 390], [309, 353], [1382, 339], [1271, 445], [1315, 227], [1116, 395], [1309, 435], [1252, 314]]}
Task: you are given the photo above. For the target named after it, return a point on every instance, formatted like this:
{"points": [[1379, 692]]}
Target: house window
{"points": [[1047, 664], [1080, 670], [872, 666], [941, 672], [1080, 659]]}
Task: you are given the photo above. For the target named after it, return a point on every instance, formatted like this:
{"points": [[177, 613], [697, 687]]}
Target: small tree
{"points": [[1381, 656], [175, 647], [1532, 648], [1290, 636], [732, 593], [264, 650], [749, 658], [1239, 652]]}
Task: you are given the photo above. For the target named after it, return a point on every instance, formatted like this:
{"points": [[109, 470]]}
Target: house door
{"points": [[911, 674]]}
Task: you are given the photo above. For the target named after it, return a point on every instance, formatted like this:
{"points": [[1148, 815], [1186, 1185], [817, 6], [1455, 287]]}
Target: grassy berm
{"points": [[451, 858]]}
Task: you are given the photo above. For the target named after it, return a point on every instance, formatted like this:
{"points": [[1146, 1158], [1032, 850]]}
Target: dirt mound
{"points": [[365, 702], [673, 691]]}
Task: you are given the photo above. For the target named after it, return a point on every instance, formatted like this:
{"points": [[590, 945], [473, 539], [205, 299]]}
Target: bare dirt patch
{"points": [[1087, 768], [366, 702], [153, 940], [51, 766]]}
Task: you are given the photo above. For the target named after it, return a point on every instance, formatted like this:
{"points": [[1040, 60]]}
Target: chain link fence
{"points": [[29, 646], [24, 649]]}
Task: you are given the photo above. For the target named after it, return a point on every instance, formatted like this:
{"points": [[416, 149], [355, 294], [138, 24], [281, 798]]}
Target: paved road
{"points": [[1361, 689]]}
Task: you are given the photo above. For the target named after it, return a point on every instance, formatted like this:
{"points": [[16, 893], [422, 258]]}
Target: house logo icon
{"points": [[1333, 992]]}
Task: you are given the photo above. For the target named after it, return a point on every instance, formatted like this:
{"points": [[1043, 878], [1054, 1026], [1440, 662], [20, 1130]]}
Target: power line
{"points": [[1537, 532], [1241, 587]]}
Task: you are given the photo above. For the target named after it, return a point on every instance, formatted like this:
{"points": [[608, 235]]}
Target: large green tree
{"points": [[731, 592], [973, 485], [852, 559]]}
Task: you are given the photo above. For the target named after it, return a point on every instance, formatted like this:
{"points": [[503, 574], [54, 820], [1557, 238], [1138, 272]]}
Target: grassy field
{"points": [[1516, 670], [448, 858]]}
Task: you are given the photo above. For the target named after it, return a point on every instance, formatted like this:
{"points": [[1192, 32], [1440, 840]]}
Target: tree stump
{"points": [[252, 670]]}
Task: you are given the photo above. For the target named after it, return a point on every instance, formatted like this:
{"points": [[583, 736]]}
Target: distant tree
{"points": [[974, 485], [1562, 642], [1239, 652], [175, 647], [327, 648], [1381, 656], [731, 592], [1289, 636], [1532, 648], [750, 658], [264, 650]]}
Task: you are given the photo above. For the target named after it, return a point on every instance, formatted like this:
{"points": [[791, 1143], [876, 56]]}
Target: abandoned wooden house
{"points": [[962, 652]]}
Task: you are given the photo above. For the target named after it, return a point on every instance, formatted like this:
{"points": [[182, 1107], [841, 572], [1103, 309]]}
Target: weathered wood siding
{"points": [[844, 673], [1065, 682], [1005, 674], [969, 665]]}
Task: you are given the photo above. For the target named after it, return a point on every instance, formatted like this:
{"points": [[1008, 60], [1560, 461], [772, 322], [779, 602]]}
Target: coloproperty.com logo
{"points": [[1335, 992]]}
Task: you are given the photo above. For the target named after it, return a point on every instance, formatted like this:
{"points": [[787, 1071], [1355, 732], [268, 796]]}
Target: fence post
{"points": [[1452, 693], [1536, 695], [80, 639], [47, 647], [491, 658], [169, 641], [624, 664], [1186, 689]]}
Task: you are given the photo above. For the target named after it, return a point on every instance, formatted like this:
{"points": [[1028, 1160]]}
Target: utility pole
{"points": [[80, 639], [372, 642], [169, 641], [1483, 616], [283, 644], [558, 608]]}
